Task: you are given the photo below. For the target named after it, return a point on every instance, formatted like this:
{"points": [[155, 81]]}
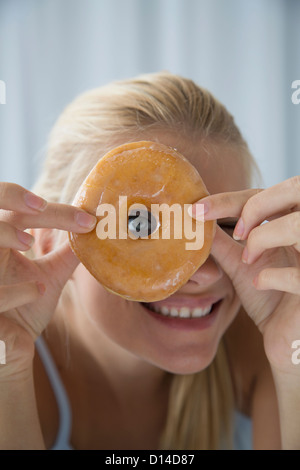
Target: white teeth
{"points": [[200, 312], [183, 312], [164, 310], [173, 312]]}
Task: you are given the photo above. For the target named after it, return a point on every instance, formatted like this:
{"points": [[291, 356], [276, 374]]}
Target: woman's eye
{"points": [[229, 228], [141, 223]]}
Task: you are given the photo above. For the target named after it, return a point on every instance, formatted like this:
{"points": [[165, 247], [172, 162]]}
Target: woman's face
{"points": [[178, 345]]}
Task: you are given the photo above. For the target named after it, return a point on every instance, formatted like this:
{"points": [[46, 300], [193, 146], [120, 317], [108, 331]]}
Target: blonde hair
{"points": [[200, 405]]}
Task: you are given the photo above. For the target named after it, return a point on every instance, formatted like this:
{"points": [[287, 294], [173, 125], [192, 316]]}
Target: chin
{"points": [[187, 361]]}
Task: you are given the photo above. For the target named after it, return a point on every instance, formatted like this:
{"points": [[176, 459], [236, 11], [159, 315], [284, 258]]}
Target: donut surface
{"points": [[141, 267]]}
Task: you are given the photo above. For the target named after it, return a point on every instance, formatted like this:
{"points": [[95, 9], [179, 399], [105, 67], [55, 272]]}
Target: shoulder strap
{"points": [[65, 415]]}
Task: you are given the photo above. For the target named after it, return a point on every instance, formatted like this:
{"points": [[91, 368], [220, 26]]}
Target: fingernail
{"points": [[41, 287], [35, 202], [198, 210], [245, 255], [239, 230], [206, 205], [25, 238], [190, 211], [85, 220]]}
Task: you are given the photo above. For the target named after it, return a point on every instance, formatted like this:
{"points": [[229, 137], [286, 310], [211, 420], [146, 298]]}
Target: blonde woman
{"points": [[86, 369]]}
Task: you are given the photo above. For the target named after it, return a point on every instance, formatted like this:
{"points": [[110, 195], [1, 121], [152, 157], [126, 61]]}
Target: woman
{"points": [[124, 378]]}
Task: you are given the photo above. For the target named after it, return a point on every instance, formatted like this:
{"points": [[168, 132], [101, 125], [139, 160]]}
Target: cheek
{"points": [[123, 323], [109, 314]]}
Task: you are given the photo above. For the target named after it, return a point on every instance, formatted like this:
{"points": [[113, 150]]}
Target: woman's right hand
{"points": [[30, 288]]}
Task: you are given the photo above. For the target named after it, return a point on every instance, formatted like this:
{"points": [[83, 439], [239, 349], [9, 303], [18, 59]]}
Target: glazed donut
{"points": [[136, 251]]}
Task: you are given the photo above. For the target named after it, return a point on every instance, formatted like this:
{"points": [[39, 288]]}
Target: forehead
{"points": [[219, 165]]}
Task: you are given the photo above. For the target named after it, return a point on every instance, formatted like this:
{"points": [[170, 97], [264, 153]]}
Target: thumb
{"points": [[62, 263], [228, 253]]}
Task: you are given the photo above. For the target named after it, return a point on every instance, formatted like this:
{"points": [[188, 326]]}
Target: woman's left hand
{"points": [[271, 258]]}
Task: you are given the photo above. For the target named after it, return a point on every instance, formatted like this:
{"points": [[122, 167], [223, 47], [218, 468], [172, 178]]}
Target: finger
{"points": [[284, 231], [15, 295], [228, 253], [16, 198], [283, 196], [279, 214], [58, 216], [62, 261], [223, 205], [10, 237], [283, 279]]}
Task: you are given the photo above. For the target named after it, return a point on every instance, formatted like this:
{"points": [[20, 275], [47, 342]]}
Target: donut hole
{"points": [[141, 223]]}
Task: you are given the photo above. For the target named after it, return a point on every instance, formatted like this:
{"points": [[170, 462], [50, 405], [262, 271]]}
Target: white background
{"points": [[247, 52]]}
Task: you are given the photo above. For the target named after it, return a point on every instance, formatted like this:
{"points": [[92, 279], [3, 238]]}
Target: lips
{"points": [[185, 323], [184, 307]]}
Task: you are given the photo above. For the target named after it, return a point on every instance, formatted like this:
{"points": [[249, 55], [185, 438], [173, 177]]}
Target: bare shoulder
{"points": [[247, 359]]}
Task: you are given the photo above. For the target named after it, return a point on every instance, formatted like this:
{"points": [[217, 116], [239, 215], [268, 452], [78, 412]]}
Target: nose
{"points": [[206, 276]]}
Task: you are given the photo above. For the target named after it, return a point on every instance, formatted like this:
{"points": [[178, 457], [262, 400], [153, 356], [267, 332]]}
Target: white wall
{"points": [[247, 52]]}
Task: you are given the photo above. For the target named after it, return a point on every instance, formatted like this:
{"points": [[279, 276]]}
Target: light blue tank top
{"points": [[242, 424]]}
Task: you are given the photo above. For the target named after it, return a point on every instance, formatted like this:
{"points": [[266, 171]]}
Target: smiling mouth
{"points": [[183, 312]]}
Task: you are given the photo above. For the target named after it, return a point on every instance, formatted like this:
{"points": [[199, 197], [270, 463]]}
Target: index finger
{"points": [[223, 205], [16, 198], [56, 216]]}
